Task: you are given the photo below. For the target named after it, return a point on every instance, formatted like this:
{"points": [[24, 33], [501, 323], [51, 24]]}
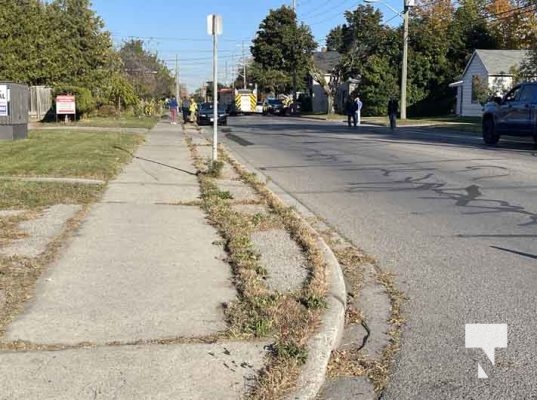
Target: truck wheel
{"points": [[490, 136]]}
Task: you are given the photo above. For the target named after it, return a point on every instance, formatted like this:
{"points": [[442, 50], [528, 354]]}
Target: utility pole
{"points": [[244, 64], [405, 60], [177, 87], [294, 55]]}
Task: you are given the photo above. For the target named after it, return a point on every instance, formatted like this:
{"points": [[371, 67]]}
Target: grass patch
{"points": [[119, 122], [18, 275], [67, 154], [20, 194], [291, 318], [214, 168]]}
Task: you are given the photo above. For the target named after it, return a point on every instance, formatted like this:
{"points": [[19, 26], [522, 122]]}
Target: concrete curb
{"points": [[320, 346]]}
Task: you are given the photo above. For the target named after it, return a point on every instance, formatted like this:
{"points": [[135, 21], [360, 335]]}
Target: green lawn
{"points": [[61, 154], [119, 122], [67, 153]]}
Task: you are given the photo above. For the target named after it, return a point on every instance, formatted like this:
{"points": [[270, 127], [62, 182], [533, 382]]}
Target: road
{"points": [[454, 220]]}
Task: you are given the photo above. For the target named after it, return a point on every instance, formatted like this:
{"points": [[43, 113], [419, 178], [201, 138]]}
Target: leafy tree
{"points": [[281, 45], [371, 52], [148, 75], [513, 23]]}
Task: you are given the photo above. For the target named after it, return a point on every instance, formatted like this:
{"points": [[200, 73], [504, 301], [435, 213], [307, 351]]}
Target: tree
{"points": [[283, 45], [513, 23], [371, 53], [148, 75]]}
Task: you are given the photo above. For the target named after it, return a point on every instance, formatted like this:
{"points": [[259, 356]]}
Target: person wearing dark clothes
{"points": [[393, 107], [350, 109], [186, 109]]}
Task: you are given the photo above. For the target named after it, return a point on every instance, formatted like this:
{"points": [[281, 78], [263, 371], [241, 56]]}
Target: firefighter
{"points": [[193, 110]]}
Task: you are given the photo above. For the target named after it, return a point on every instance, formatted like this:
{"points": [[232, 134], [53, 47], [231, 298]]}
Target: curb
{"points": [[320, 346]]}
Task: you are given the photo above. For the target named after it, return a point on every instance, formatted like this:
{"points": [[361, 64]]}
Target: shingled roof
{"points": [[499, 62], [326, 61]]}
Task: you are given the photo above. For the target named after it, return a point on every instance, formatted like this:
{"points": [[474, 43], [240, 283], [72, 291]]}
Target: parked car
{"points": [[514, 114], [259, 107], [274, 107], [206, 114]]}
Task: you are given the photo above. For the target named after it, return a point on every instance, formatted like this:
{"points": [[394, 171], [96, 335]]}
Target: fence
{"points": [[40, 101]]}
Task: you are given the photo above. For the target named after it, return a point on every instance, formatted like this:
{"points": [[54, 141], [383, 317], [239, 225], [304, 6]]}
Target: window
{"points": [[529, 94], [513, 94]]}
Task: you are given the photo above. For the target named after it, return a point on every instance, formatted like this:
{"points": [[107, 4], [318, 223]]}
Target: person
{"points": [[185, 107], [350, 109], [359, 105], [172, 103], [193, 109], [393, 107]]}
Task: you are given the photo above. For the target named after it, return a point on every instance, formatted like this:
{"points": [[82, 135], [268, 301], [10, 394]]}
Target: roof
{"points": [[326, 61], [498, 62]]}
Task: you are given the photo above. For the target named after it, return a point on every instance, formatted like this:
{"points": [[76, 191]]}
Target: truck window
{"points": [[529, 94], [513, 94]]}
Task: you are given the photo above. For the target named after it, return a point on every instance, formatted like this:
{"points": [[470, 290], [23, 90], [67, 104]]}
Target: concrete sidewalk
{"points": [[132, 307]]}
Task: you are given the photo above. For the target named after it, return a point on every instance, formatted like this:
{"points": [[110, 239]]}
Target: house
{"points": [[492, 69], [325, 61]]}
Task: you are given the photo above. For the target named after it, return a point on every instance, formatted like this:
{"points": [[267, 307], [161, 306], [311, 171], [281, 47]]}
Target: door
{"points": [[523, 110], [506, 116]]}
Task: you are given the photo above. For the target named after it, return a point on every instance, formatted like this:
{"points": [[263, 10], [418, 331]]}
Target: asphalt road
{"points": [[454, 220]]}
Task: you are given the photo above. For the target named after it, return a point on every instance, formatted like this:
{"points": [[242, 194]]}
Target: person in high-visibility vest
{"points": [[193, 110]]}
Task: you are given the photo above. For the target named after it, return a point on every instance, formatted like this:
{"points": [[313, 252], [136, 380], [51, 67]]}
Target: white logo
{"points": [[487, 337]]}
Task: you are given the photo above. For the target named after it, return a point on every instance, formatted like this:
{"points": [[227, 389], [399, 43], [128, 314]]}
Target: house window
{"points": [[479, 90]]}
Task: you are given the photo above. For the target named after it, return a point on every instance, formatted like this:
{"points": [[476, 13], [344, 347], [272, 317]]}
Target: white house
{"points": [[325, 61], [491, 67]]}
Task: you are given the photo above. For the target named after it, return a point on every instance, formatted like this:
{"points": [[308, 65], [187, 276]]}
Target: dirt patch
{"points": [[40, 231]]}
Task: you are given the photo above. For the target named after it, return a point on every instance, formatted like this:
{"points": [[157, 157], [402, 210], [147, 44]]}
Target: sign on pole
{"points": [[65, 105], [214, 24]]}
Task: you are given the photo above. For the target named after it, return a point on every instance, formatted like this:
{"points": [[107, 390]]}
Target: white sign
{"points": [[4, 98], [214, 24], [65, 105], [487, 337]]}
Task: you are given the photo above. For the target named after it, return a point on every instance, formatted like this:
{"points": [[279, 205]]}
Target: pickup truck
{"points": [[514, 114]]}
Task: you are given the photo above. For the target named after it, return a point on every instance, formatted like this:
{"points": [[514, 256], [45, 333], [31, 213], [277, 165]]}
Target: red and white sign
{"points": [[65, 105]]}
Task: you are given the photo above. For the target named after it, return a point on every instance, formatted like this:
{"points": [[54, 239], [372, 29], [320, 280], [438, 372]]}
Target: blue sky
{"points": [[178, 28]]}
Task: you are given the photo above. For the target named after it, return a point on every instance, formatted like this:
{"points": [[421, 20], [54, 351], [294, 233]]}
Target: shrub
{"points": [[85, 103]]}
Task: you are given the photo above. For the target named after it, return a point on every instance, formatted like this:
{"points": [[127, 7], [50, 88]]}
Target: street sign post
{"points": [[214, 28]]}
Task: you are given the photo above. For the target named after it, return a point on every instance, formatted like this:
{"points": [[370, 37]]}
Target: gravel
{"points": [[283, 259]]}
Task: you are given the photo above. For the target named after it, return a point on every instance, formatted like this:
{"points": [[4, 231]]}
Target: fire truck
{"points": [[245, 100]]}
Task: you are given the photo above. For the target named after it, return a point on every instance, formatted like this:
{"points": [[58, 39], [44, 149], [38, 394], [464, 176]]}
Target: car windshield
{"points": [[275, 102], [208, 107]]}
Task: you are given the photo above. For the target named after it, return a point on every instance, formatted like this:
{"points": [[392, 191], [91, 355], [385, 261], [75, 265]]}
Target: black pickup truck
{"points": [[514, 114]]}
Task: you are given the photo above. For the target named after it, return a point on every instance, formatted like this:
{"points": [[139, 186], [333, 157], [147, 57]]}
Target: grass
{"points": [[29, 195], [288, 319], [67, 153], [119, 122], [50, 153], [464, 124]]}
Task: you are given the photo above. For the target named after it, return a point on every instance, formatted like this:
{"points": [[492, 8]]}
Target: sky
{"points": [[177, 29]]}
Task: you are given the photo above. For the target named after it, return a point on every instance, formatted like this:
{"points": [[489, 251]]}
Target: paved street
{"points": [[454, 220]]}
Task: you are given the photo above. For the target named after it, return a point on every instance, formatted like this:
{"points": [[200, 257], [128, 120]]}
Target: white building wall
{"points": [[319, 101], [477, 67]]}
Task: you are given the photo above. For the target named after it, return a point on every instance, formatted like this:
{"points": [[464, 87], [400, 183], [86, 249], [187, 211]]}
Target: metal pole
{"points": [[215, 94], [177, 93], [405, 62], [244, 64]]}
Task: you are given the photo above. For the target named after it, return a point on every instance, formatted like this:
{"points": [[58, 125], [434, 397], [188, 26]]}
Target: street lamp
{"points": [[407, 4]]}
